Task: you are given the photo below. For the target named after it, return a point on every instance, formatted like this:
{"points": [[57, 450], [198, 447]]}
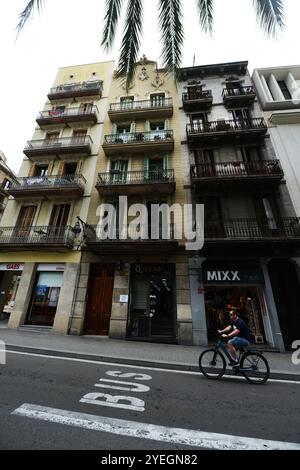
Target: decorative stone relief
{"points": [[158, 81], [143, 75]]}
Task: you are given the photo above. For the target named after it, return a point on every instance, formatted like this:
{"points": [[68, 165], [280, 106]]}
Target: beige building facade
{"points": [[40, 243]]}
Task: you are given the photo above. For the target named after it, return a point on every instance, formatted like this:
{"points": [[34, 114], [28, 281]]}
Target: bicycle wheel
{"points": [[257, 368], [212, 364]]}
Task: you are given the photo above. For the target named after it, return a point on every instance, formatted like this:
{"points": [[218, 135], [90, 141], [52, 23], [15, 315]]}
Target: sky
{"points": [[68, 32]]}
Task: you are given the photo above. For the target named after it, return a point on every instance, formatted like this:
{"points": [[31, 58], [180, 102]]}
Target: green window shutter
{"points": [[147, 126], [146, 167], [166, 162], [114, 129]]}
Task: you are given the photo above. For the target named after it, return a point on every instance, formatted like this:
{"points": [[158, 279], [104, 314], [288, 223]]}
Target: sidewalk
{"points": [[129, 352]]}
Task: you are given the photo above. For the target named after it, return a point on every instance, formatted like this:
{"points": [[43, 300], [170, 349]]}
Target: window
{"points": [[86, 108], [51, 138], [198, 120], [41, 170], [241, 116], [70, 168], [45, 298], [284, 89], [6, 183], [157, 130]]}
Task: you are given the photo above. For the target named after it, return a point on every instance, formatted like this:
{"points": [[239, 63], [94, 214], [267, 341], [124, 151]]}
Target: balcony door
{"points": [[51, 138], [213, 225], [157, 100], [242, 117], [25, 221], [59, 219], [267, 214], [79, 136], [118, 171], [205, 165]]}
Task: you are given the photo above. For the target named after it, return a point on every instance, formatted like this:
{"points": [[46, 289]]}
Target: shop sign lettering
{"points": [[223, 276]]}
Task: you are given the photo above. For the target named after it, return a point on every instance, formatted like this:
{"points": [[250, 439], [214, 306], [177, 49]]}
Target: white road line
{"points": [[130, 366], [188, 437]]}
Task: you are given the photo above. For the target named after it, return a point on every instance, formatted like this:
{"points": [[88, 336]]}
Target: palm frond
{"points": [[270, 15], [170, 22], [27, 13], [206, 14], [112, 16], [131, 41]]}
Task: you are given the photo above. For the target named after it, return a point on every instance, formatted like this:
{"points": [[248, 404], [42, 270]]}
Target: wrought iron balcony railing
{"points": [[32, 183], [137, 137], [59, 143], [57, 115], [196, 94], [115, 177], [76, 89], [252, 229], [131, 233], [226, 126], [236, 169], [37, 236], [140, 105], [241, 91]]}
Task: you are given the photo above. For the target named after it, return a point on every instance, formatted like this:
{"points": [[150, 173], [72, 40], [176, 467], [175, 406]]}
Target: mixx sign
{"points": [[242, 276]]}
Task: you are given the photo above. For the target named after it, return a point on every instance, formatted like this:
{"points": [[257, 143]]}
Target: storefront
{"points": [[10, 274], [238, 287], [152, 302], [45, 296]]}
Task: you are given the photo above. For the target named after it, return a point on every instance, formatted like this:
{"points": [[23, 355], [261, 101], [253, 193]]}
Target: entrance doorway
{"points": [[152, 302], [98, 310]]}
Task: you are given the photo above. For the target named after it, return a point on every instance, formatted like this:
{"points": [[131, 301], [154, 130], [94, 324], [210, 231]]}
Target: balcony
{"points": [[136, 182], [237, 173], [124, 241], [57, 117], [197, 100], [92, 89], [222, 131], [236, 97], [79, 146], [49, 187], [285, 229], [37, 238], [147, 109], [139, 142]]}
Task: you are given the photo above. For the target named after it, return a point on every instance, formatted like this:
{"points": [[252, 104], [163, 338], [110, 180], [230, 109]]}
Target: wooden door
{"points": [[98, 310], [25, 221]]}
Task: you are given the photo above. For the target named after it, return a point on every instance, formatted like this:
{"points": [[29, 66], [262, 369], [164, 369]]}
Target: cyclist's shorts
{"points": [[239, 342]]}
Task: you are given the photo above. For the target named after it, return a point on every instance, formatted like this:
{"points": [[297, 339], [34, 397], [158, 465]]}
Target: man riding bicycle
{"points": [[240, 334]]}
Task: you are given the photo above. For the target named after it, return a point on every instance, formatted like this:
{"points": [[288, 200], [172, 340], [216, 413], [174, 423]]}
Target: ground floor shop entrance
{"points": [[99, 303], [10, 275], [152, 302], [244, 300], [45, 296], [235, 285]]}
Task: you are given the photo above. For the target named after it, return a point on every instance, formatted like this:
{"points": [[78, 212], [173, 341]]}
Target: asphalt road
{"points": [[161, 398]]}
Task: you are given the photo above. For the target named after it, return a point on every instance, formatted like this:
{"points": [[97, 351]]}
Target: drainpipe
{"points": [[74, 299]]}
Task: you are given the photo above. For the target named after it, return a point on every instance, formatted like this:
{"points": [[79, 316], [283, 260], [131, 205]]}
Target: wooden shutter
{"points": [[114, 129], [26, 216], [61, 167], [79, 167], [50, 168], [167, 124], [147, 126], [166, 162], [32, 170]]}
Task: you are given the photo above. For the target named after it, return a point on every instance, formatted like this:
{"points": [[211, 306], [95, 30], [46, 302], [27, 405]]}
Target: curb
{"points": [[130, 361]]}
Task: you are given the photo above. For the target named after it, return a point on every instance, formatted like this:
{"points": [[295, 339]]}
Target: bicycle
{"points": [[252, 364]]}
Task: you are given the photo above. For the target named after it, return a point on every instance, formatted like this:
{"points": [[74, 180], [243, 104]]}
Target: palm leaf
{"points": [[206, 14], [112, 15], [131, 41], [27, 12], [270, 15], [170, 21]]}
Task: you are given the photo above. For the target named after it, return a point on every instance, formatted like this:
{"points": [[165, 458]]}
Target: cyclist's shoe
{"points": [[234, 363]]}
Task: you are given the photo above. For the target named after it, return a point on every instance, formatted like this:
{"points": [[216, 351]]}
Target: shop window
{"points": [[244, 300], [44, 300]]}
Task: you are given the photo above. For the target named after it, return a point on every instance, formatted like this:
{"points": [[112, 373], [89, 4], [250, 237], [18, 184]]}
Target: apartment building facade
{"points": [[40, 246], [251, 227], [137, 289]]}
